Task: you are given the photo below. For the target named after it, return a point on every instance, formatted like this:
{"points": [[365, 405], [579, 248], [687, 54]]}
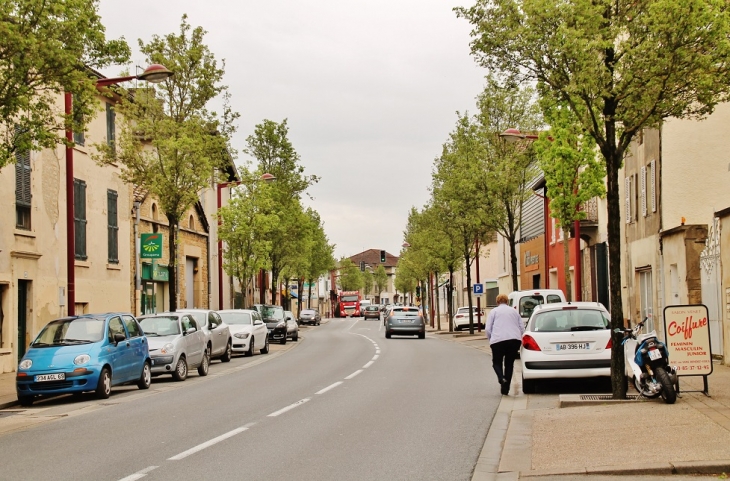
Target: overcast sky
{"points": [[369, 88]]}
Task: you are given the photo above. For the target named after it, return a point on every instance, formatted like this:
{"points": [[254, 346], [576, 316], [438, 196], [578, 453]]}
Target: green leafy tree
{"points": [[321, 255], [46, 49], [169, 142], [380, 278], [350, 276], [621, 66], [573, 174], [368, 281]]}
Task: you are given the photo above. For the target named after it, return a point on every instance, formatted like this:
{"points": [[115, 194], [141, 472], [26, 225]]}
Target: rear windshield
{"points": [[160, 326], [371, 308], [569, 320], [235, 317], [400, 311], [528, 303]]}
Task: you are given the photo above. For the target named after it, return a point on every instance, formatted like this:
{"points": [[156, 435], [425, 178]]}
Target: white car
{"points": [[217, 334], [461, 319], [566, 340], [248, 330], [525, 301]]}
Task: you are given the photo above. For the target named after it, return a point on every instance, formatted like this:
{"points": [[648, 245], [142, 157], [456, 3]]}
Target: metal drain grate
{"points": [[605, 397]]}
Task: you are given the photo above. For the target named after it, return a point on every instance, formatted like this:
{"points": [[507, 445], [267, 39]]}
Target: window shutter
{"points": [[627, 193], [643, 190], [552, 233], [652, 170], [110, 126], [80, 218], [22, 178], [112, 226]]}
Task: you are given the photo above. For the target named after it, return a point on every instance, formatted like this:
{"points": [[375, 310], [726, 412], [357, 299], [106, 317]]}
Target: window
{"points": [[154, 211], [111, 135], [80, 218], [116, 327], [22, 190], [191, 223], [646, 298], [491, 290], [79, 137], [132, 327], [187, 323], [112, 226], [552, 230]]}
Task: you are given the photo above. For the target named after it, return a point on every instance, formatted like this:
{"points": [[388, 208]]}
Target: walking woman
{"points": [[504, 329]]}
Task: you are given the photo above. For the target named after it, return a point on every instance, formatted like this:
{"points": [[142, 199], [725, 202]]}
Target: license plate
{"points": [[50, 377], [573, 346], [655, 354]]}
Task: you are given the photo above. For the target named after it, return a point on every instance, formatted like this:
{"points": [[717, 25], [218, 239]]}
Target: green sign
{"points": [[151, 246], [155, 272]]}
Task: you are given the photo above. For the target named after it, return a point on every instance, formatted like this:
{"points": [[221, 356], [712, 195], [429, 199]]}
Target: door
{"points": [[138, 345], [122, 354], [259, 330], [195, 342], [23, 288], [216, 333], [189, 285]]}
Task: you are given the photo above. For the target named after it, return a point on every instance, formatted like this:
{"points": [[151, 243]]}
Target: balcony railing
{"points": [[590, 207]]}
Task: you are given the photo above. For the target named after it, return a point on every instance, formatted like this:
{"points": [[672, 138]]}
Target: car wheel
{"points": [[146, 378], [283, 340], [318, 323], [387, 335], [204, 364], [25, 401], [228, 354], [295, 337], [249, 352], [104, 386], [181, 369], [265, 349], [422, 335], [528, 385]]}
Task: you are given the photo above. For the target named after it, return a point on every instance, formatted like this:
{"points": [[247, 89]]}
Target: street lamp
{"points": [[155, 73], [266, 177], [514, 135]]}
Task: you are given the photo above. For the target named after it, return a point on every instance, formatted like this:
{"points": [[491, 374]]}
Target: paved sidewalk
{"points": [[533, 436]]}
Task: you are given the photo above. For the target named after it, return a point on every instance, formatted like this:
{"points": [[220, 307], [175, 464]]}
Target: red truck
{"points": [[348, 304]]}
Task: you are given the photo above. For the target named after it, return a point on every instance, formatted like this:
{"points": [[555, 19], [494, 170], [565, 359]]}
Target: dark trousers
{"points": [[505, 352]]}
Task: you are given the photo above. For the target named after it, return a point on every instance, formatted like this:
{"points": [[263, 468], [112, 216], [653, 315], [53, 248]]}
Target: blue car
{"points": [[92, 352]]}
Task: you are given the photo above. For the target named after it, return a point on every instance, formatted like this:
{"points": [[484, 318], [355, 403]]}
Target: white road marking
{"points": [[377, 351], [354, 374], [368, 364], [352, 325], [289, 407], [139, 474], [375, 357], [208, 444], [331, 386], [381, 326]]}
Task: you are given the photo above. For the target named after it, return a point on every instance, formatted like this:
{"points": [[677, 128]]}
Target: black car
{"points": [[309, 316], [371, 312], [275, 321], [405, 321]]}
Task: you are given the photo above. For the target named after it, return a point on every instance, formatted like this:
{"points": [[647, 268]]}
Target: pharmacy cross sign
{"points": [[151, 246]]}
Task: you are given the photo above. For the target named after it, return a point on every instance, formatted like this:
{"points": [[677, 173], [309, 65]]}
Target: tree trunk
{"points": [[513, 262], [450, 300], [309, 296], [300, 288], [566, 264], [274, 286], [468, 293], [172, 264], [438, 307]]}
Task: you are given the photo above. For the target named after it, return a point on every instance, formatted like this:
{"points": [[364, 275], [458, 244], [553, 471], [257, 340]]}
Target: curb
{"points": [[657, 469], [9, 404]]}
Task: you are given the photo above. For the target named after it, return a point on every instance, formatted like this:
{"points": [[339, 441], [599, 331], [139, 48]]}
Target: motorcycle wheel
{"points": [[668, 393], [642, 391]]}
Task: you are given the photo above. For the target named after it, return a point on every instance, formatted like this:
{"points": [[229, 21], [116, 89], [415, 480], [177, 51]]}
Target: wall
{"points": [[532, 248]]}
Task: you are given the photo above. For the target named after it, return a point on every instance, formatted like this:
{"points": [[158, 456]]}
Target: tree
{"points": [[170, 143], [350, 276], [245, 223], [367, 282], [321, 255], [573, 174], [46, 49], [510, 167], [620, 66], [380, 277]]}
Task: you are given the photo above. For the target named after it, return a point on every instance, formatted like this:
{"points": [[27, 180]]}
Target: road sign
{"points": [[151, 246], [478, 289]]}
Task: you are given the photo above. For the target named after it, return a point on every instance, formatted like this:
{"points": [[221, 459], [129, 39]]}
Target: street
{"points": [[343, 403]]}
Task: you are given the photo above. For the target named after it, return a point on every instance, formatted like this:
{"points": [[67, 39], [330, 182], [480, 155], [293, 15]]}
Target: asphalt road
{"points": [[344, 404]]}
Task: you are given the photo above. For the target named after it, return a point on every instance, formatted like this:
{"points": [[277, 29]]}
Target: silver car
{"points": [[292, 327], [249, 331], [176, 345], [217, 333]]}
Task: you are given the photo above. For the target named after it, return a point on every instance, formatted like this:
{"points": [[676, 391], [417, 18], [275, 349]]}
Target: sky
{"points": [[370, 90]]}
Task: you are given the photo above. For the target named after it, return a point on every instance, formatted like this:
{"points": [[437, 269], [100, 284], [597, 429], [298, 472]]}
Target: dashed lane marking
{"points": [[139, 474], [331, 386], [354, 374], [368, 364], [208, 444], [289, 407]]}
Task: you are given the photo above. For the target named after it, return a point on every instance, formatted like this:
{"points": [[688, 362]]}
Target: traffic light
{"points": [[362, 266], [382, 257]]}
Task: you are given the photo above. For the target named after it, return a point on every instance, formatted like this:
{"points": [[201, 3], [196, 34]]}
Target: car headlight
{"points": [[82, 359], [25, 364], [168, 348], [241, 335], [281, 324]]}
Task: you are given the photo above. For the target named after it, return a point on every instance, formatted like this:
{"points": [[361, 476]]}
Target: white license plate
{"points": [[50, 377], [655, 354], [573, 346]]}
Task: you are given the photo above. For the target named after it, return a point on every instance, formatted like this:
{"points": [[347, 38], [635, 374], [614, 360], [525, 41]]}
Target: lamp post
{"points": [[514, 135], [220, 186], [155, 73]]}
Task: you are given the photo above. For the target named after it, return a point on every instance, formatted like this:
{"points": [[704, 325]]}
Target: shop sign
{"points": [[532, 263], [687, 333], [151, 246]]}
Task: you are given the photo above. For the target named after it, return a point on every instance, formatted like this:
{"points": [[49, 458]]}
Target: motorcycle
{"points": [[647, 363]]}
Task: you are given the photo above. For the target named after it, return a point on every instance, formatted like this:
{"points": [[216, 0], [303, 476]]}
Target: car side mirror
{"points": [[288, 318], [190, 330], [119, 338], [257, 322], [213, 325]]}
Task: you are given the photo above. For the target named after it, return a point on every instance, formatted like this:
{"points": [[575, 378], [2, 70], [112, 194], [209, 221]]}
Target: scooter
{"points": [[647, 363]]}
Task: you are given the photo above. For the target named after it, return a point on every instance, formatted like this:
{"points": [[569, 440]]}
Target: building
{"points": [[371, 260]]}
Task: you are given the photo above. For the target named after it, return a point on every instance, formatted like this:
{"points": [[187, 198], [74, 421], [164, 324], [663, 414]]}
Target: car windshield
{"points": [[235, 317], [308, 312], [274, 313], [159, 326], [349, 298], [80, 330], [567, 320]]}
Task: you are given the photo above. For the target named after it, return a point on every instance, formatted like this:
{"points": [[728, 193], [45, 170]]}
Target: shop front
{"points": [[155, 279]]}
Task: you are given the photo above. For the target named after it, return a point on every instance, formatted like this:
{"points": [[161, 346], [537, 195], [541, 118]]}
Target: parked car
{"points": [[405, 321], [566, 340], [217, 333], [525, 301], [292, 327], [371, 312], [248, 329], [310, 316], [461, 318], [177, 344], [363, 304], [92, 352], [275, 321]]}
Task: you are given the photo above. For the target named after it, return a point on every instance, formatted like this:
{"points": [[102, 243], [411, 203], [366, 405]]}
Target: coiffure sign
{"points": [[688, 339]]}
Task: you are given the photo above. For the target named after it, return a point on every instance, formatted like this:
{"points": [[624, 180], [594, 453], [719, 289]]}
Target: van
{"points": [[363, 304], [525, 301]]}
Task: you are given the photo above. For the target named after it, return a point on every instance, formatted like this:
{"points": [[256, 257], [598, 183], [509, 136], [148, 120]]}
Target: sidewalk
{"points": [[534, 436]]}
